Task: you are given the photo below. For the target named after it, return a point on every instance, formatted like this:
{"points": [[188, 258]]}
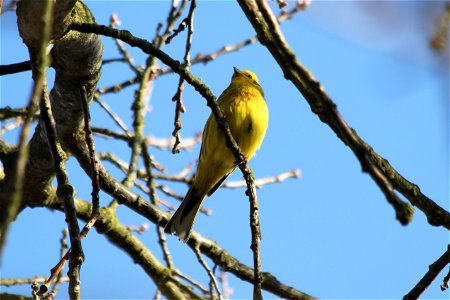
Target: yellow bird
{"points": [[246, 112]]}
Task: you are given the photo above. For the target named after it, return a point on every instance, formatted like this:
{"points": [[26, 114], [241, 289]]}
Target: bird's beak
{"points": [[237, 71]]}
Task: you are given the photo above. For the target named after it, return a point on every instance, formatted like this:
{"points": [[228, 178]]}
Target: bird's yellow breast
{"points": [[247, 116]]}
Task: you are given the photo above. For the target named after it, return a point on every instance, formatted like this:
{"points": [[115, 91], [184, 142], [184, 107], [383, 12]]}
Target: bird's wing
{"points": [[218, 184]]}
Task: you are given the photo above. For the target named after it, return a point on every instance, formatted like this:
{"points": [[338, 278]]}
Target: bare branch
{"points": [[265, 180], [40, 63], [17, 281], [179, 107], [433, 271], [117, 87], [114, 22], [63, 249], [113, 115], [66, 194], [15, 68], [208, 271], [192, 282], [154, 199], [270, 35], [91, 146]]}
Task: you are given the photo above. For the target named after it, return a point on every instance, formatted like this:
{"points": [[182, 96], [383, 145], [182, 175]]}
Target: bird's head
{"points": [[244, 76]]}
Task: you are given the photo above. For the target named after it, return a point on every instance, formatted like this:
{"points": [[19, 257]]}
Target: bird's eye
{"points": [[249, 76]]}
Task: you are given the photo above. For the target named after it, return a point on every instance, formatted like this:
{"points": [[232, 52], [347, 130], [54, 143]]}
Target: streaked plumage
{"points": [[246, 112]]}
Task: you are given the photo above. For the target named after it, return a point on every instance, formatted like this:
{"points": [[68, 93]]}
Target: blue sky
{"points": [[330, 233]]}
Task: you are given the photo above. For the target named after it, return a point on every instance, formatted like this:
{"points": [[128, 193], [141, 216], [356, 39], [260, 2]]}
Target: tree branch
{"points": [[433, 271], [270, 35], [66, 194], [178, 97], [15, 68], [37, 52], [109, 185], [119, 235]]}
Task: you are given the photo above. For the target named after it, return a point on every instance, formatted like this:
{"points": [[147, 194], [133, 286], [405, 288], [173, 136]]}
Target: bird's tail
{"points": [[182, 221]]}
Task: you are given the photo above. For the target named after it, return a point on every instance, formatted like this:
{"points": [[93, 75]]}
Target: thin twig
{"points": [[208, 270], [76, 257], [117, 87], [433, 271], [265, 180], [154, 200], [25, 66], [151, 141], [173, 15], [170, 193], [91, 146], [114, 22], [191, 281], [63, 249], [138, 108], [178, 97], [162, 202], [123, 166], [145, 82], [112, 114], [211, 285], [180, 28], [112, 60], [143, 175], [205, 58], [15, 68], [18, 281], [56, 270]]}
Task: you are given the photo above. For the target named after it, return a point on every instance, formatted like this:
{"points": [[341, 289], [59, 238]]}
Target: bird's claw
{"points": [[242, 159]]}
